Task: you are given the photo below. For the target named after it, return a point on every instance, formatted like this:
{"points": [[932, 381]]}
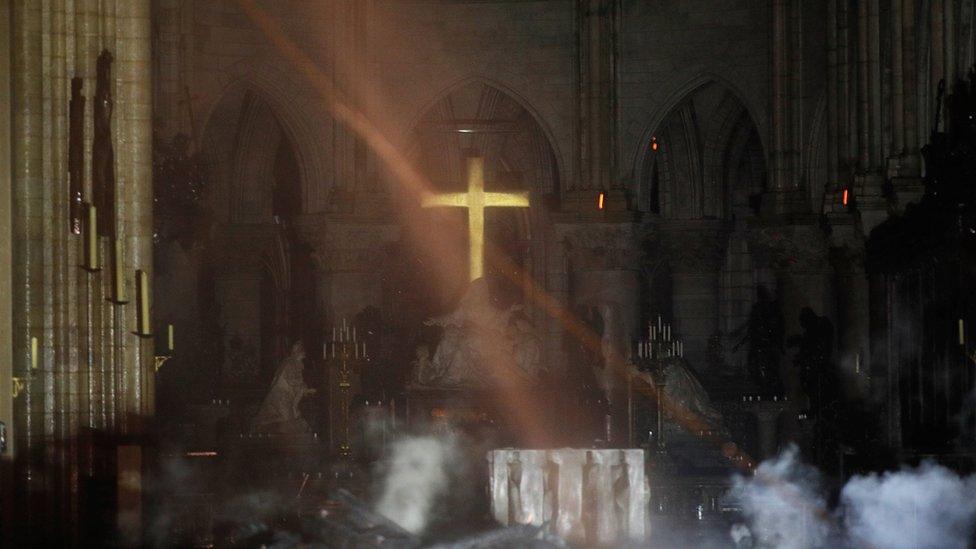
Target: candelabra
{"points": [[344, 357], [651, 356]]}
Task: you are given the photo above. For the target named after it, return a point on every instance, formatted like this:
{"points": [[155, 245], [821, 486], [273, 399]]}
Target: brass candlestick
{"points": [[92, 264]]}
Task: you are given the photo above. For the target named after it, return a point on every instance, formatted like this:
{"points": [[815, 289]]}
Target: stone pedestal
{"points": [[596, 497]]}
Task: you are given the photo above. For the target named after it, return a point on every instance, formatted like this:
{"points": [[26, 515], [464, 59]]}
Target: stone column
{"points": [[804, 278], [695, 251], [597, 70], [767, 417], [6, 294], [351, 262], [603, 262], [93, 373]]}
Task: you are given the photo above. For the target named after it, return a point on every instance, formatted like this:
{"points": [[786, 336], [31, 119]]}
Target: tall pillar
{"points": [[93, 373], [695, 251], [797, 254], [603, 275], [597, 70], [350, 266], [783, 194], [6, 294]]}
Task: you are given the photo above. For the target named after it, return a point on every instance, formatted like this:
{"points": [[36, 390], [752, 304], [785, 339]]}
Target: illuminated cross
{"points": [[476, 200]]}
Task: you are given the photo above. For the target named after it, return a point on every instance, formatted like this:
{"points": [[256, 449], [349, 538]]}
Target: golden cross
{"points": [[476, 200]]}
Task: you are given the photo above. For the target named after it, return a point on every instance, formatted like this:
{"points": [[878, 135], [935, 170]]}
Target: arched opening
{"points": [[250, 270], [703, 169], [704, 160], [477, 119]]}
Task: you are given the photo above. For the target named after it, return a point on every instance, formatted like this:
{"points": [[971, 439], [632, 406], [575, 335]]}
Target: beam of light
{"points": [[513, 393]]}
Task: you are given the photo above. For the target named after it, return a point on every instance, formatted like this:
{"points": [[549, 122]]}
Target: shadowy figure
{"points": [[819, 381], [815, 347], [764, 334]]}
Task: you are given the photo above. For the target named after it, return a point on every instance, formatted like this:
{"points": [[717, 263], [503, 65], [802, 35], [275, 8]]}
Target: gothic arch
{"points": [[305, 122], [241, 143], [679, 93], [434, 100], [686, 162]]}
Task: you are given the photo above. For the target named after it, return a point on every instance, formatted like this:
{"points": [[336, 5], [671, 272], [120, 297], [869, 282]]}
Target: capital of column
{"points": [[342, 244], [798, 246], [597, 246], [688, 245]]}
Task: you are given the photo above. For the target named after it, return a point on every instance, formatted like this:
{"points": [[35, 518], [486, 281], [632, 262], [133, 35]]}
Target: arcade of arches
{"points": [[705, 172]]}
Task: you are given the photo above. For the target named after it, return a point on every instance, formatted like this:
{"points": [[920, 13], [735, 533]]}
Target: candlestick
{"points": [[170, 339], [118, 266], [34, 354], [91, 247], [143, 321], [962, 332]]}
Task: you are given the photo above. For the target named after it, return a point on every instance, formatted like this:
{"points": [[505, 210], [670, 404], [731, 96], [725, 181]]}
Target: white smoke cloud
{"points": [[416, 477], [924, 507], [782, 504], [919, 508]]}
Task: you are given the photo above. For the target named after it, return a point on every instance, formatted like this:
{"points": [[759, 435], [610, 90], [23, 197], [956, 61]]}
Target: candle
{"points": [[142, 326], [355, 350], [325, 347], [659, 323], [35, 356], [333, 332], [119, 265], [653, 333], [364, 349], [354, 333], [667, 333], [333, 350], [91, 262], [170, 340], [962, 332]]}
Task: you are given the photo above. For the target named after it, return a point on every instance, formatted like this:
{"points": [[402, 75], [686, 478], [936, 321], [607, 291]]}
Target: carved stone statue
{"points": [[683, 392], [103, 154], [76, 153], [480, 341], [279, 411]]}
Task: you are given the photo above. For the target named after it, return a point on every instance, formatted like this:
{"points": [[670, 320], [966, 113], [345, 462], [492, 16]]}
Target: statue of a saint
{"points": [[684, 392], [103, 153], [279, 411], [480, 340]]}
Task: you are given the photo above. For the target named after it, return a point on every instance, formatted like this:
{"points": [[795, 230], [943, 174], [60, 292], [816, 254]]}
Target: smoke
{"points": [[416, 478], [929, 506], [924, 507], [782, 504]]}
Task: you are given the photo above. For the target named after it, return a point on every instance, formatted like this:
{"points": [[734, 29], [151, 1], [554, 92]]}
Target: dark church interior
{"points": [[471, 274]]}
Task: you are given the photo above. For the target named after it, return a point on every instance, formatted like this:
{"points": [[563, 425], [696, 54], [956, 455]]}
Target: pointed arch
{"points": [[697, 141], [436, 101]]}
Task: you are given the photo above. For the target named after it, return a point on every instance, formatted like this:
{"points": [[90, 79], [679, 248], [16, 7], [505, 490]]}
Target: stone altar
{"points": [[591, 496]]}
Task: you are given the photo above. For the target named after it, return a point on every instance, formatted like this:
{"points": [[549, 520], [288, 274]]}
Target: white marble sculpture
{"points": [[279, 411], [586, 496], [480, 342]]}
